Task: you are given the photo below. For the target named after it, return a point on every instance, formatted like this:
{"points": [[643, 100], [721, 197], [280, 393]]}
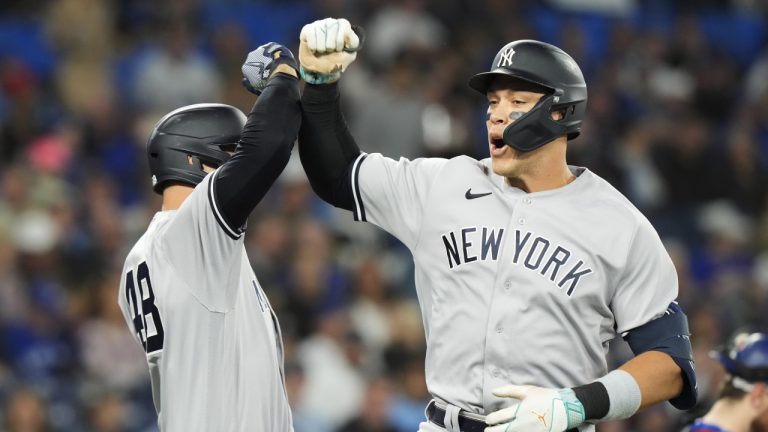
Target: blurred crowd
{"points": [[677, 120]]}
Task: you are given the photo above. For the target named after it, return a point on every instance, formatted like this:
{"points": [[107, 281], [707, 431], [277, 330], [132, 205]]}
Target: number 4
{"points": [[146, 317]]}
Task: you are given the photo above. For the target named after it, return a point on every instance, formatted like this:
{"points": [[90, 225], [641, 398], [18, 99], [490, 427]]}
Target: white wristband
{"points": [[623, 393]]}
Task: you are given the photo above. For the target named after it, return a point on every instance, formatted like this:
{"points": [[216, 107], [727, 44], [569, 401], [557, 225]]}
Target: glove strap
{"points": [[574, 410], [312, 77], [286, 59]]}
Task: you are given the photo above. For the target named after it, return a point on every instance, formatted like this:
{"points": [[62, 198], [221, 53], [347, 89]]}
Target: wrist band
{"points": [[594, 397], [312, 77], [624, 394]]}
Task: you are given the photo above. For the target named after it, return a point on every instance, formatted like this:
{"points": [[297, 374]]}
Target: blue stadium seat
{"points": [[24, 39], [262, 22]]}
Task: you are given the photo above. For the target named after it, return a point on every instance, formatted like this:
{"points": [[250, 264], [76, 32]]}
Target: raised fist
{"points": [[261, 62], [327, 47]]}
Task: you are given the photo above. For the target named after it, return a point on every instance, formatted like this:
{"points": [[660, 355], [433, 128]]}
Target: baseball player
{"points": [[743, 402], [525, 266], [188, 293]]}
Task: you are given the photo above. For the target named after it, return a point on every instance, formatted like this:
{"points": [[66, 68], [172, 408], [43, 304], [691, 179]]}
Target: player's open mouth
{"points": [[497, 147]]}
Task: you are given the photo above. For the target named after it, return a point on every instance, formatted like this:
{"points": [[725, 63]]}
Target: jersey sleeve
{"points": [[648, 283], [203, 249], [391, 194]]}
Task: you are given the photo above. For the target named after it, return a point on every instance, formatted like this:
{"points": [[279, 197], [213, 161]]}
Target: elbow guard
{"points": [[669, 334]]}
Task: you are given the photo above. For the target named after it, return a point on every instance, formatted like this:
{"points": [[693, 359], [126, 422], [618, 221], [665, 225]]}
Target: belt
{"points": [[436, 415]]}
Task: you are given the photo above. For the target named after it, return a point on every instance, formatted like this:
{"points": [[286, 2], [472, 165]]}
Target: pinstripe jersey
{"points": [[515, 287], [194, 305]]}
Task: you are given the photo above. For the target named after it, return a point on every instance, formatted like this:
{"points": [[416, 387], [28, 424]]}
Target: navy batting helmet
{"points": [[746, 357], [551, 68], [199, 132]]}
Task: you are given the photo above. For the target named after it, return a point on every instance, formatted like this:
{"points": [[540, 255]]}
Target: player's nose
{"points": [[496, 118]]}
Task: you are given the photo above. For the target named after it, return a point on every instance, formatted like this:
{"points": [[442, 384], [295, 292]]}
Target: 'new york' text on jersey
{"points": [[515, 288]]}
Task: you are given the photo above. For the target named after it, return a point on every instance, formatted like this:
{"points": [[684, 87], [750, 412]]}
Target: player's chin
{"points": [[502, 166]]}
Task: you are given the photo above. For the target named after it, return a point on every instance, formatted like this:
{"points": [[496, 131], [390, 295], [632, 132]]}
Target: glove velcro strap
{"points": [[312, 77], [574, 410]]}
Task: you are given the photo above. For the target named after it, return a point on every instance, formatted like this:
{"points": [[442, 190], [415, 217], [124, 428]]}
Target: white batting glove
{"points": [[539, 410], [327, 47]]}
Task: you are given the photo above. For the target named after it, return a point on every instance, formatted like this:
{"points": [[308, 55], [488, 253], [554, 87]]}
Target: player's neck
{"points": [[174, 195], [730, 416], [547, 169]]}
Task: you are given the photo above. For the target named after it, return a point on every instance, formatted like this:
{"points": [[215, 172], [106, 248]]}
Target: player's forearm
{"points": [[263, 151], [327, 149], [657, 375]]}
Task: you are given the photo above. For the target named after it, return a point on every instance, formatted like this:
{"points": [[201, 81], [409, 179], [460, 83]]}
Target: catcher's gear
{"points": [[550, 67], [261, 62], [196, 134], [326, 48], [539, 410], [746, 357]]}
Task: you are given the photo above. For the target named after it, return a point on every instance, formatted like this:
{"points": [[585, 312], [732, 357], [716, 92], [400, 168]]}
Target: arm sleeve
{"points": [[326, 148], [261, 155], [203, 242], [648, 283]]}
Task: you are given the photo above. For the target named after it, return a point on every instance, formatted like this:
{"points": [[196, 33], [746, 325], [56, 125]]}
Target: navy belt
{"points": [[437, 416]]}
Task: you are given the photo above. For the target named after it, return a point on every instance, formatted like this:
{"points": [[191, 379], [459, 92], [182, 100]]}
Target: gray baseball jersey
{"points": [[212, 342], [515, 287]]}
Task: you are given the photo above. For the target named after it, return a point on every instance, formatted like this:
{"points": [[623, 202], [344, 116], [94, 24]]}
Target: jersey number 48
{"points": [[146, 317]]}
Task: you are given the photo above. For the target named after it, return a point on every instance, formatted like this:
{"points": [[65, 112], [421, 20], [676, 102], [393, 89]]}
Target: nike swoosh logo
{"points": [[469, 195]]}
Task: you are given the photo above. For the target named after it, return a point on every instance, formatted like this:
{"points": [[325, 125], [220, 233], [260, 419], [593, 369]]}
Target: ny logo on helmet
{"points": [[505, 59]]}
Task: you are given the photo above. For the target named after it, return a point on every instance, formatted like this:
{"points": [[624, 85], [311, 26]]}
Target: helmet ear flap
{"points": [[536, 127]]}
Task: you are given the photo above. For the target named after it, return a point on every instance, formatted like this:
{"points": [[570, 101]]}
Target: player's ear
{"points": [[190, 161]]}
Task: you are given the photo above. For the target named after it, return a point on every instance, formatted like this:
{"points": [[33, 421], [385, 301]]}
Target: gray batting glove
{"points": [[261, 62]]}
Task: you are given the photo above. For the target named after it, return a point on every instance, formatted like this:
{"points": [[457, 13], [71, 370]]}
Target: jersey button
{"points": [[499, 329], [507, 284], [527, 200], [495, 373], [521, 221]]}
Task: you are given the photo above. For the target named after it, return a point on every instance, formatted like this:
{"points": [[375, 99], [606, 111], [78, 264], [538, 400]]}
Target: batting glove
{"points": [[539, 410], [326, 48], [261, 62]]}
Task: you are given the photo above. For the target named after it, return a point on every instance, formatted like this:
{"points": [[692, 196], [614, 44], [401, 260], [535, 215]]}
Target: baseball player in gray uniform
{"points": [[526, 267], [188, 292]]}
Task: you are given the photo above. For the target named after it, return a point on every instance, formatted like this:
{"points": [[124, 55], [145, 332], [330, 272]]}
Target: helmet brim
{"points": [[482, 81]]}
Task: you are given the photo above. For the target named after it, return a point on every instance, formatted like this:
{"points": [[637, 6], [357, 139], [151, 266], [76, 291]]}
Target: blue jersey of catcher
{"points": [[701, 426]]}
